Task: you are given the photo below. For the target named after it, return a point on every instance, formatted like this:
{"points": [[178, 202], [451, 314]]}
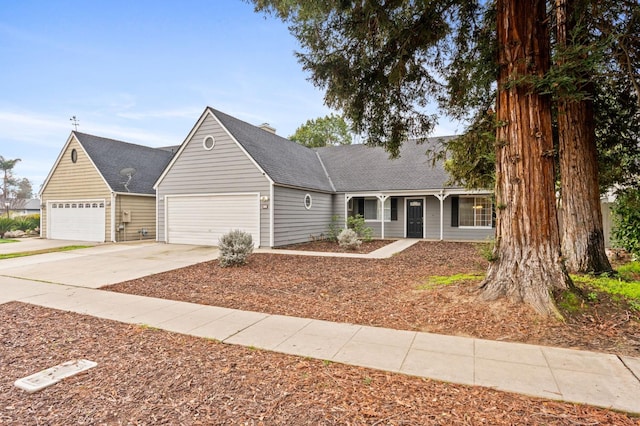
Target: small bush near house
{"points": [[334, 228], [349, 239], [626, 221], [235, 247], [357, 223]]}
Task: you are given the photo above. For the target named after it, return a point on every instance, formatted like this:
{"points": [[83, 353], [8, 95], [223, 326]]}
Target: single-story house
{"points": [[21, 207], [101, 190], [229, 174]]}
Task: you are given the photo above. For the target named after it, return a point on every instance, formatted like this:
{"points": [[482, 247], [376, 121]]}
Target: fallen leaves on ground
{"points": [[146, 376], [385, 293]]}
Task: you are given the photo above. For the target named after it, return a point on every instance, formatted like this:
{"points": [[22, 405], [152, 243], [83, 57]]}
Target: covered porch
{"points": [[437, 215]]}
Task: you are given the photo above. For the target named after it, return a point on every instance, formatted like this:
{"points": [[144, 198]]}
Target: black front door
{"points": [[415, 212]]}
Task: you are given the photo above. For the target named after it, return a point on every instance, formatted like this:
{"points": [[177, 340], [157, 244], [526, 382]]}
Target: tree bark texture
{"points": [[529, 265], [582, 231]]}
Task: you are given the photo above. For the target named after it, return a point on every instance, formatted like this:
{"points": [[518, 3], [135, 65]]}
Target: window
{"points": [[475, 212], [372, 209], [208, 142], [307, 201], [74, 155]]}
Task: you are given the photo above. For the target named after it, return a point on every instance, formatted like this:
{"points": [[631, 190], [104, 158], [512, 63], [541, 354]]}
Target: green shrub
{"points": [[235, 247], [487, 249], [6, 225], [334, 228], [349, 239], [626, 221], [33, 220], [357, 223], [22, 224]]}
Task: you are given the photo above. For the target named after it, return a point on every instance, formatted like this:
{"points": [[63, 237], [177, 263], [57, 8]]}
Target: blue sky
{"points": [[142, 71]]}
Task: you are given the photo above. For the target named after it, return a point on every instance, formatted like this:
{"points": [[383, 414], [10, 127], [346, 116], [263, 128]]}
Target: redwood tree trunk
{"points": [[529, 265], [582, 232]]}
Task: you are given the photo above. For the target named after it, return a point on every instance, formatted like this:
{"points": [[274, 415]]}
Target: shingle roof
{"points": [[112, 156], [286, 162], [355, 168]]}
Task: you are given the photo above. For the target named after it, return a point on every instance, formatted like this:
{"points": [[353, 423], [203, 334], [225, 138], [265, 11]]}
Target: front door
{"points": [[415, 214]]}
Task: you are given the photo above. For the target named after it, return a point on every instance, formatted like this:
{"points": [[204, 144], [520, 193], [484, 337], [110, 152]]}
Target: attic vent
{"points": [[268, 128]]}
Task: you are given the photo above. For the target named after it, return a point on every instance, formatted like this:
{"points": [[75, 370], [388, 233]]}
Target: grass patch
{"points": [[438, 281], [620, 285], [570, 302], [3, 240], [630, 271], [31, 253]]}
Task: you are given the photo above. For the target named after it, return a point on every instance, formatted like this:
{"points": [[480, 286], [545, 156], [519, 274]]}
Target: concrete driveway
{"points": [[101, 264]]}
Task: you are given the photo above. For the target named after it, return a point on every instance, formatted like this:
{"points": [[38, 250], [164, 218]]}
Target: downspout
{"points": [[157, 206], [113, 217], [272, 216]]}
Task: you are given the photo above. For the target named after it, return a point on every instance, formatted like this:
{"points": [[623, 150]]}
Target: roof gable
{"points": [[284, 161], [112, 156]]}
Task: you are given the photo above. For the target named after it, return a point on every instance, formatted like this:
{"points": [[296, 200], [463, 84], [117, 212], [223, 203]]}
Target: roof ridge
{"points": [[76, 133], [333, 187]]}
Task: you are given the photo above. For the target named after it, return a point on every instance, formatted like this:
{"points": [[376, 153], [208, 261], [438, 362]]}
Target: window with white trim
{"points": [[372, 209], [475, 212]]}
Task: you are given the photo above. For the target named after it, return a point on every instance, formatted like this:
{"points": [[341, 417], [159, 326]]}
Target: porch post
{"points": [[382, 199], [346, 204], [441, 196]]}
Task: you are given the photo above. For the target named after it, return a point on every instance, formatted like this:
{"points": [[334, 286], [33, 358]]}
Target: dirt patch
{"points": [[387, 293], [146, 376]]}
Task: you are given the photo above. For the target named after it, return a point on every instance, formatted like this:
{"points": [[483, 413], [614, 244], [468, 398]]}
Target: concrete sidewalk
{"points": [[576, 376], [382, 253]]}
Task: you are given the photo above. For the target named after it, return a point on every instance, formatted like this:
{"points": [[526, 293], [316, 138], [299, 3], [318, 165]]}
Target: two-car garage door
{"points": [[76, 220], [203, 219]]}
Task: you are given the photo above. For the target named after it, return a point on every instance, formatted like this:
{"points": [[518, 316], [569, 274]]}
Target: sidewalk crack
{"points": [[628, 368]]}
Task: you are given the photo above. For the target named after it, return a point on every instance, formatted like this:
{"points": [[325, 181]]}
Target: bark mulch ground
{"points": [[394, 293], [146, 376]]}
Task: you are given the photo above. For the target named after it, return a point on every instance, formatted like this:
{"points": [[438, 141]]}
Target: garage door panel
{"points": [[77, 220], [202, 220]]}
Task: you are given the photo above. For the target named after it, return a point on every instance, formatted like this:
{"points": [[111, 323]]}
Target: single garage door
{"points": [[77, 220], [203, 219]]}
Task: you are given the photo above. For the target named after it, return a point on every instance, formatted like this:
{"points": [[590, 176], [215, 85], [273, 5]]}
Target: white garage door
{"points": [[76, 220], [203, 219]]}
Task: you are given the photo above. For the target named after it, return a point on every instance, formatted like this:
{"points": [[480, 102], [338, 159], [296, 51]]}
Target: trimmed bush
{"points": [[349, 239], [235, 247]]}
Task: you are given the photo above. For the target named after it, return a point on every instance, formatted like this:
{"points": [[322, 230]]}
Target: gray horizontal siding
{"points": [[456, 233], [224, 169], [293, 223]]}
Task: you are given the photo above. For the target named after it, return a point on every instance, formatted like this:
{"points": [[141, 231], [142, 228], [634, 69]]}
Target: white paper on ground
{"points": [[50, 376]]}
